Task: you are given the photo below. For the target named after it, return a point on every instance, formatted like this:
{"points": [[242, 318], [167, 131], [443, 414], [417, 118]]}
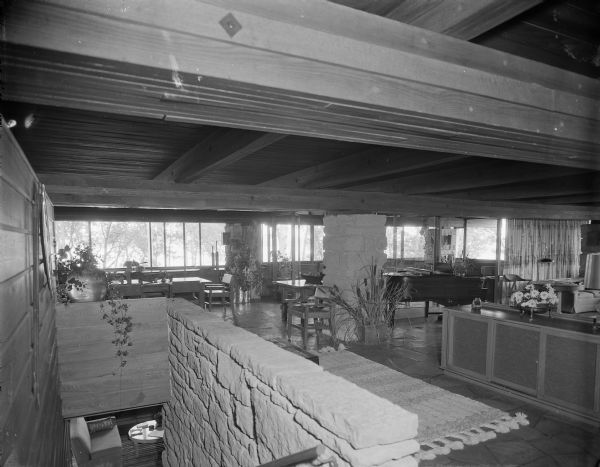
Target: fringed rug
{"points": [[447, 421]]}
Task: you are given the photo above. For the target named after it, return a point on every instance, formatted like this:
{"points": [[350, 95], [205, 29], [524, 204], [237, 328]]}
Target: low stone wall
{"points": [[238, 400]]}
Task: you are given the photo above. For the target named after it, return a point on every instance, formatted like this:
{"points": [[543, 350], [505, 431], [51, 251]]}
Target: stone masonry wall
{"points": [[352, 242], [238, 400]]}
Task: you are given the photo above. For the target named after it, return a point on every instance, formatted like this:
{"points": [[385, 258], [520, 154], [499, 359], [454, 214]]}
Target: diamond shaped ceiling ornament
{"points": [[230, 24]]}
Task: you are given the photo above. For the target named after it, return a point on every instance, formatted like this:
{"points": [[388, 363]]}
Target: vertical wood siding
{"points": [[31, 425]]}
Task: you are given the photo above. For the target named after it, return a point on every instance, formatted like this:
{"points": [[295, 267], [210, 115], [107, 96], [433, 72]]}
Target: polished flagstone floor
{"points": [[415, 348]]}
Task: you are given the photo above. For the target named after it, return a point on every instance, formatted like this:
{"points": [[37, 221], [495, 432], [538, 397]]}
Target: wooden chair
{"points": [[315, 313], [218, 293]]}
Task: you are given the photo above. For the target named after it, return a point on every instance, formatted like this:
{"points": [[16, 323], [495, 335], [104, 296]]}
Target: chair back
{"points": [[227, 279], [81, 443]]}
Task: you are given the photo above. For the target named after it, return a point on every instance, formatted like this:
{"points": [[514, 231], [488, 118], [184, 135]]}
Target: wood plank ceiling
{"points": [[312, 106]]}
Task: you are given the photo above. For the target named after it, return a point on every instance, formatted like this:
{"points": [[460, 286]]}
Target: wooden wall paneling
{"points": [[91, 380], [23, 415]]}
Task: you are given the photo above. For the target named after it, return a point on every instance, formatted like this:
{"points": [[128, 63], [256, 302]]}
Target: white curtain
{"points": [[541, 249]]}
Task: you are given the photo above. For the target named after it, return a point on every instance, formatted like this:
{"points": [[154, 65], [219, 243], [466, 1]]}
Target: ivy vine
{"points": [[115, 313]]}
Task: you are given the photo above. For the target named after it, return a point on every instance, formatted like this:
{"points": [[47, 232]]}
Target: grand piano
{"points": [[445, 289]]}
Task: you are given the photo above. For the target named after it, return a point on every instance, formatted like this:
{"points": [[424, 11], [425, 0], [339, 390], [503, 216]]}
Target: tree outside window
{"points": [[117, 242], [192, 244], [157, 231], [212, 242], [71, 233]]}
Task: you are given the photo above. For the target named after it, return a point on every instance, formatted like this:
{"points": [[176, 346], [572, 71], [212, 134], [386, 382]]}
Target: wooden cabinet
{"points": [[544, 361], [516, 356]]}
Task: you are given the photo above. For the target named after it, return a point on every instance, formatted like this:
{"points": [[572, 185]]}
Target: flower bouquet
{"points": [[533, 299]]}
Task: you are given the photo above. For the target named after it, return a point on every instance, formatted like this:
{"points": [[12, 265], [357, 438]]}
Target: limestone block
{"points": [[229, 373], [222, 397], [244, 419], [383, 454], [199, 457], [276, 429], [242, 448], [282, 402], [208, 351], [225, 335], [267, 361], [353, 413]]}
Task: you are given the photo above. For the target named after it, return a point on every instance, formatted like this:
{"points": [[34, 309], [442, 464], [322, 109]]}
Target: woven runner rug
{"points": [[446, 420]]}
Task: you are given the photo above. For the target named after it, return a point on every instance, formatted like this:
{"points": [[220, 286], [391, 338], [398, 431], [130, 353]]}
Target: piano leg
{"points": [[426, 308]]}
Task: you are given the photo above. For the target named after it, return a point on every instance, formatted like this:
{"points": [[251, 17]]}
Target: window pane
{"points": [[267, 248], [389, 249], [192, 244], [158, 244], [303, 243], [212, 243], [71, 233], [481, 238], [117, 242], [460, 241], [319, 233], [283, 233], [174, 243], [414, 243]]}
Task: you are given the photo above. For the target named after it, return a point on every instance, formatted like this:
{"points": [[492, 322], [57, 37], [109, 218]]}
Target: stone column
{"points": [[351, 244]]}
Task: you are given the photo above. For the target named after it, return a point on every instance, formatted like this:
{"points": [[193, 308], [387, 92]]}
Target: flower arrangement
{"points": [[530, 297]]}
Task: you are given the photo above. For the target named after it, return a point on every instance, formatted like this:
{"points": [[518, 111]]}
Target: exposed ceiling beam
{"points": [[223, 147], [459, 18], [559, 186], [479, 174], [364, 165], [349, 66], [108, 192], [568, 199]]}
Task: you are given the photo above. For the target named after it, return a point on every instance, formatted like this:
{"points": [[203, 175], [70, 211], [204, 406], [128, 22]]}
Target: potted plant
{"points": [[78, 276], [370, 304], [246, 271]]}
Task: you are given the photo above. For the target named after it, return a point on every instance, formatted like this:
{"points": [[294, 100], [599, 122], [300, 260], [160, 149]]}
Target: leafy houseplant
{"points": [[78, 276], [245, 269], [371, 302]]}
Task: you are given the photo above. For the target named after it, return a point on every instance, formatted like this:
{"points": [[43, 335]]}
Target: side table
{"points": [[145, 433]]}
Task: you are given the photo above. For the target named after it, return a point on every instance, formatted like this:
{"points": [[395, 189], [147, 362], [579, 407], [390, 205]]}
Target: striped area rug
{"points": [[446, 420]]}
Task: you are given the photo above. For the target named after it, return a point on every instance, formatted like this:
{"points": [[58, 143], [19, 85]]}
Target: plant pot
{"points": [[94, 286], [374, 333]]}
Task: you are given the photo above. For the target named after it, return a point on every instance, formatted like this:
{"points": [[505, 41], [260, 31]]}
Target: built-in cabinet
{"points": [[553, 362]]}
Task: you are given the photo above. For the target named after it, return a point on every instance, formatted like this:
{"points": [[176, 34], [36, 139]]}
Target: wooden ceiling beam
{"points": [[135, 95], [457, 18], [361, 166], [355, 64], [90, 191], [220, 149], [558, 186], [471, 176]]}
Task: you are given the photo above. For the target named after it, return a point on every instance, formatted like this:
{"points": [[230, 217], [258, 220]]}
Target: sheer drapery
{"points": [[532, 243]]}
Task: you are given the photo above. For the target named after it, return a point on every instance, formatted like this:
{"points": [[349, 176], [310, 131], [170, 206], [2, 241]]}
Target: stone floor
{"points": [[550, 440]]}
